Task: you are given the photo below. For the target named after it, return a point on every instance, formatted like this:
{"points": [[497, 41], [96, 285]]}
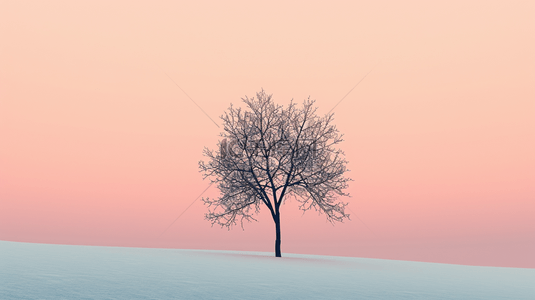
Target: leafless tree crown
{"points": [[268, 153]]}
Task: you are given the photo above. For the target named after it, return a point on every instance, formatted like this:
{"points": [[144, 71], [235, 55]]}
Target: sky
{"points": [[98, 145]]}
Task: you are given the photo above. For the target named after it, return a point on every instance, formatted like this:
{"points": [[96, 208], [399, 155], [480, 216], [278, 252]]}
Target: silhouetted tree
{"points": [[269, 153]]}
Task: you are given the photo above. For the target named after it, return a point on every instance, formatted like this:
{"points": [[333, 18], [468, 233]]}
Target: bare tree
{"points": [[269, 153]]}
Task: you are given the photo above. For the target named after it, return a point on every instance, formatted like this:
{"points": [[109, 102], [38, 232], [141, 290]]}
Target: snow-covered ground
{"points": [[41, 271]]}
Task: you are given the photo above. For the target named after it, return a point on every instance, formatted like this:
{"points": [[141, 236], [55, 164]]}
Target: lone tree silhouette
{"points": [[269, 153]]}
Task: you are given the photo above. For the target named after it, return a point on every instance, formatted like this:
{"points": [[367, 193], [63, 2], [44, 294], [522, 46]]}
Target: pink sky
{"points": [[98, 146]]}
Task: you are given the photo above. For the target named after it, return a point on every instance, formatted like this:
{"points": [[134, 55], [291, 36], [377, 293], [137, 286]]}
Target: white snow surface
{"points": [[44, 271]]}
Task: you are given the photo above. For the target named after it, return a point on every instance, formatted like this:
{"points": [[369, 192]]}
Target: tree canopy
{"points": [[269, 153]]}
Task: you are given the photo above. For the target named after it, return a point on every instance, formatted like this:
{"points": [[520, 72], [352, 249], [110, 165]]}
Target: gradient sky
{"points": [[99, 147]]}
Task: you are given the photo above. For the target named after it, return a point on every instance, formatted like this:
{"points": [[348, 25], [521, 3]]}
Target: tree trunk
{"points": [[278, 236]]}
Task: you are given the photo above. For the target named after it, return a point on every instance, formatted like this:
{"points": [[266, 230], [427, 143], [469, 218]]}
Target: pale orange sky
{"points": [[98, 146]]}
